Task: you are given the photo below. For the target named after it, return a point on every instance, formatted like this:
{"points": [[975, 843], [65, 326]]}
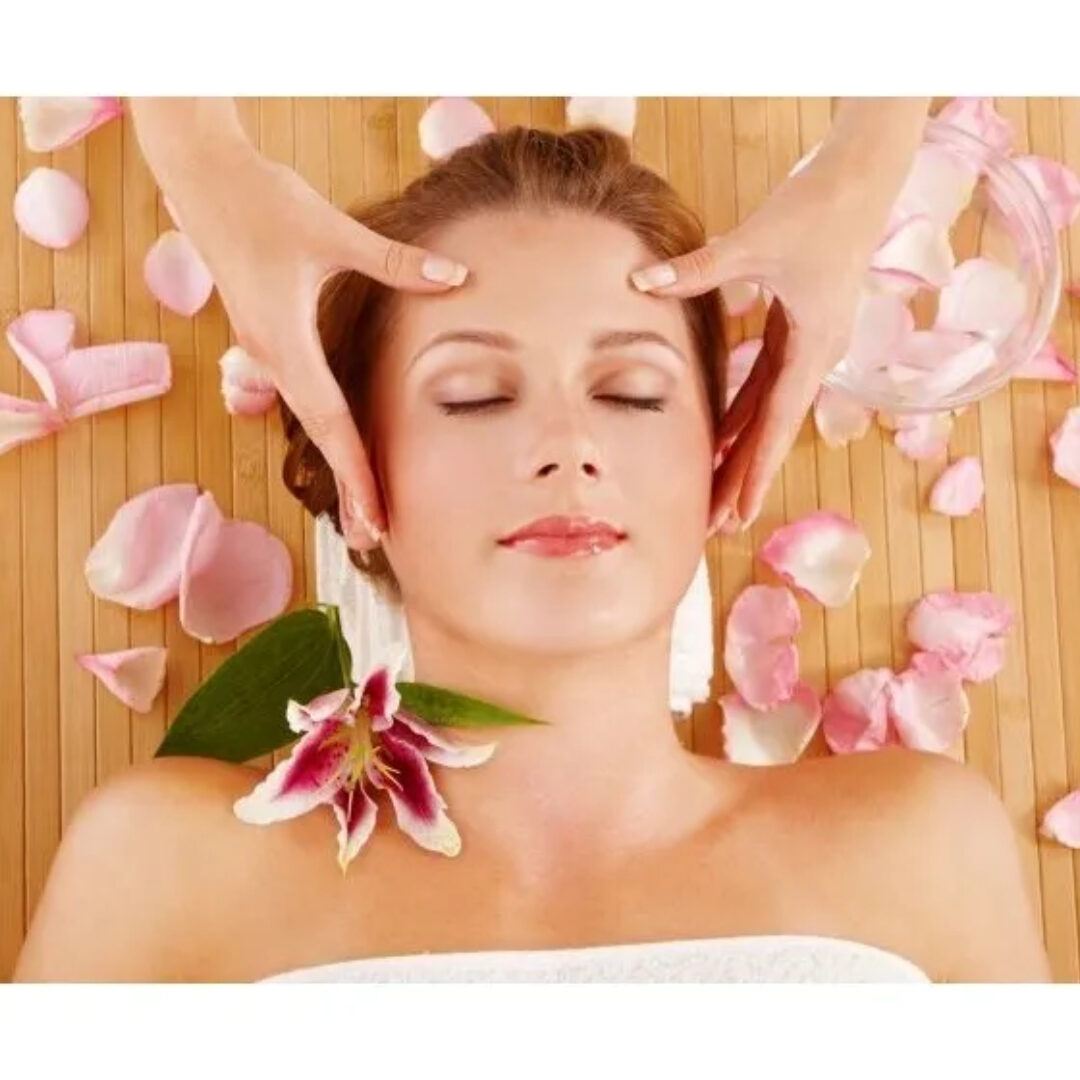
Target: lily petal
{"points": [[450, 123], [135, 676], [762, 665], [923, 436], [917, 250], [938, 186], [1062, 821], [435, 746], [978, 117], [176, 274], [614, 113], [1049, 363], [380, 698], [40, 338], [965, 630], [356, 812], [855, 715], [51, 208], [775, 736], [418, 806], [839, 418], [822, 553], [233, 575], [51, 123], [959, 489], [136, 561], [982, 297], [310, 776], [928, 705], [303, 718], [1065, 447], [22, 421], [1057, 186]]}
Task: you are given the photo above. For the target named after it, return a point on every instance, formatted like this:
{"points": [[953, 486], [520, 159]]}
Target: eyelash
{"points": [[453, 408]]}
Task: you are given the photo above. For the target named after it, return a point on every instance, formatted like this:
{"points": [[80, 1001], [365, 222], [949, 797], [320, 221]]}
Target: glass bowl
{"points": [[1004, 221]]}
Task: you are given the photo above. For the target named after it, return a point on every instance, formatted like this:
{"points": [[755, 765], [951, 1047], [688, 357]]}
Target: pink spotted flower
{"points": [[357, 742]]}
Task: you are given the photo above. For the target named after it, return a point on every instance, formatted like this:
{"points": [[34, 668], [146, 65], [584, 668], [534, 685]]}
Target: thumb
{"points": [[396, 264], [729, 257]]}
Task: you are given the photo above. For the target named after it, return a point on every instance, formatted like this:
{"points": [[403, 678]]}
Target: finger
{"points": [[723, 258], [728, 479], [399, 265]]}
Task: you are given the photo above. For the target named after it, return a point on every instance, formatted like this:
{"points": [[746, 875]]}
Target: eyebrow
{"points": [[607, 339]]}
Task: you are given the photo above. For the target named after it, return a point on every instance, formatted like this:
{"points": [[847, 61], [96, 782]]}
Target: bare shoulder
{"points": [[931, 840], [128, 880]]}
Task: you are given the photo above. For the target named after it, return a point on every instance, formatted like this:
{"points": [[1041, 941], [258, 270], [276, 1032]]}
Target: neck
{"points": [[605, 780]]}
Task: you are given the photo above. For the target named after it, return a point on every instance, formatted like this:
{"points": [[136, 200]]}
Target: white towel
{"points": [[371, 622]]}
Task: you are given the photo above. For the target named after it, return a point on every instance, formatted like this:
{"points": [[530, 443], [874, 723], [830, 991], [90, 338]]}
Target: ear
{"points": [[450, 123], [615, 113]]}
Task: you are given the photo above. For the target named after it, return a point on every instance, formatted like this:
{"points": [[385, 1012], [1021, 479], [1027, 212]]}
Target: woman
{"points": [[545, 385]]}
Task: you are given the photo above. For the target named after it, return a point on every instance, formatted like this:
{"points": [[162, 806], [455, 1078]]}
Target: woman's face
{"points": [[546, 291]]}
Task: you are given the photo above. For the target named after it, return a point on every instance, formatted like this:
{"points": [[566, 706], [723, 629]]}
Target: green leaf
{"points": [[443, 707], [239, 711]]}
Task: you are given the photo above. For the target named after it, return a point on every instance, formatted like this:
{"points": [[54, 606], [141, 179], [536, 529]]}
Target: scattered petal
{"points": [[176, 274], [51, 123], [450, 123], [246, 387], [977, 116], [233, 575], [22, 421], [923, 436], [839, 418], [959, 490], [1065, 447], [1057, 186], [882, 322], [51, 208], [136, 562], [775, 736], [135, 676], [938, 186], [917, 250], [928, 705], [822, 553], [982, 297], [932, 364], [964, 630], [108, 376], [1062, 821], [762, 663], [40, 338], [1048, 363], [614, 113], [855, 716]]}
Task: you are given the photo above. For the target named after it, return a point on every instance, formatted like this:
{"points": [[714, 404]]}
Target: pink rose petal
{"points": [[176, 274], [51, 123], [928, 705], [965, 630], [932, 364], [233, 575], [982, 297], [1065, 447], [22, 421], [839, 418], [959, 490], [923, 436], [822, 553], [762, 664], [775, 736], [917, 250], [450, 123], [135, 676], [51, 208], [614, 113], [939, 186], [1057, 186], [1062, 821], [40, 338], [882, 321], [855, 716], [245, 385], [741, 360], [1049, 364], [136, 561], [977, 116]]}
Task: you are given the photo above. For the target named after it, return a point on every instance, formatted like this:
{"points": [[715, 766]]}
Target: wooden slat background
{"points": [[61, 733]]}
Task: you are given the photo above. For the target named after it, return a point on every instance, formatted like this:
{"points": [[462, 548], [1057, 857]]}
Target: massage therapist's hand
{"points": [[270, 241], [810, 244]]}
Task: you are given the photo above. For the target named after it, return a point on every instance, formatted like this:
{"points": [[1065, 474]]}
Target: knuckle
{"points": [[394, 261]]}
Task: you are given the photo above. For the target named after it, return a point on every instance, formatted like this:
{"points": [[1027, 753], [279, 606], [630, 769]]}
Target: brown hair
{"points": [[588, 170]]}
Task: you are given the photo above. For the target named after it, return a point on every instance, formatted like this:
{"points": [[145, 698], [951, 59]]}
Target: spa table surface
{"points": [[61, 732]]}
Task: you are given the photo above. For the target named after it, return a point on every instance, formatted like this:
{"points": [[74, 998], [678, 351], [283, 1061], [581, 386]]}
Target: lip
{"points": [[565, 535]]}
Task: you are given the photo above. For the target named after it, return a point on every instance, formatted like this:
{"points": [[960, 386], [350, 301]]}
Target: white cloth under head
{"points": [[371, 623]]}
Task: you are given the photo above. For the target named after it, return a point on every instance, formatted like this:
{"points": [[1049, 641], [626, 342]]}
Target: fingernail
{"points": [[655, 277], [444, 271]]}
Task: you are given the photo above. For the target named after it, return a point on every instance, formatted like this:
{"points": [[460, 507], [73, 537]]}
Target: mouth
{"points": [[561, 537]]}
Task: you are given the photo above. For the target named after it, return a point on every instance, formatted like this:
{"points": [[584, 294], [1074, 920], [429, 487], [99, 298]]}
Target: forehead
{"points": [[541, 276]]}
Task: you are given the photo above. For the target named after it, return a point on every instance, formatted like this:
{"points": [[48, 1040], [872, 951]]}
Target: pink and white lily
{"points": [[356, 742]]}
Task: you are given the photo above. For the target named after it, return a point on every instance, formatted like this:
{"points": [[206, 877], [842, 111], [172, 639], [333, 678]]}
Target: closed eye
{"points": [[452, 408]]}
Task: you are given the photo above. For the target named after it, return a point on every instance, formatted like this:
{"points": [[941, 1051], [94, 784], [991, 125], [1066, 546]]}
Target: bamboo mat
{"points": [[61, 733]]}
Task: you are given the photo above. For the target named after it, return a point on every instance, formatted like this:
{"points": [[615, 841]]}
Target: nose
{"points": [[568, 446]]}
